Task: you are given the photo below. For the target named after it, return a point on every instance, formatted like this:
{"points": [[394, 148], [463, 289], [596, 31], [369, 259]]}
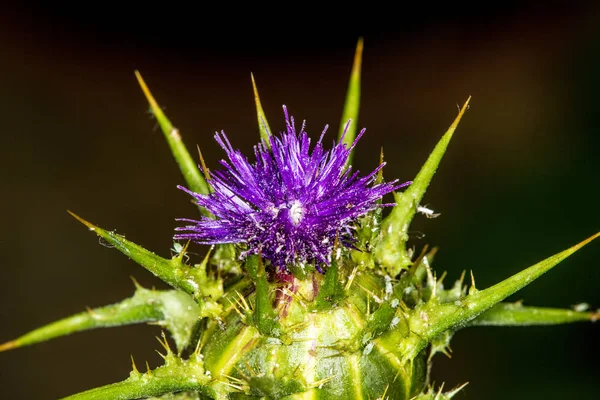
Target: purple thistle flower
{"points": [[290, 204]]}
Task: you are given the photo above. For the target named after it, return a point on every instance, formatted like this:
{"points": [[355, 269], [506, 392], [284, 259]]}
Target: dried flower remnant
{"points": [[291, 203]]}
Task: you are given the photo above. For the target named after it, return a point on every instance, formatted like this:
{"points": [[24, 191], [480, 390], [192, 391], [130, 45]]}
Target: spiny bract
{"points": [[259, 318]]}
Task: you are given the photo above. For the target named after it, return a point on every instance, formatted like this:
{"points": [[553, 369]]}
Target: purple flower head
{"points": [[290, 204]]}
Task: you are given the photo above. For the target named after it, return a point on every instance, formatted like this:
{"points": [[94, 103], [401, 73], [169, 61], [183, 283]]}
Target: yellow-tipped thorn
{"points": [[135, 283], [9, 345], [349, 121], [263, 125], [473, 288], [441, 279], [379, 178], [297, 296], [434, 286], [236, 387], [234, 379], [386, 389], [447, 351], [586, 241], [147, 93], [133, 365], [205, 169], [186, 247], [90, 226], [405, 309], [323, 381], [236, 309], [148, 370], [93, 313], [179, 256], [439, 392], [198, 349], [432, 254], [419, 260], [464, 108], [164, 343], [375, 297], [462, 277], [351, 278], [457, 389], [244, 302], [356, 66], [164, 337], [518, 303], [207, 256]]}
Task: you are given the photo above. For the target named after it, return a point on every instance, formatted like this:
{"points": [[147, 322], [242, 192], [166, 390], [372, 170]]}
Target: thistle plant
{"points": [[308, 289]]}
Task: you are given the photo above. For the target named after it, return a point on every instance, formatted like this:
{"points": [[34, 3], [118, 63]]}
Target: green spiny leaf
{"points": [[352, 104], [172, 309], [175, 376], [380, 320], [172, 272], [430, 319], [391, 250], [516, 314], [187, 165], [263, 124], [142, 307], [264, 314], [332, 290]]}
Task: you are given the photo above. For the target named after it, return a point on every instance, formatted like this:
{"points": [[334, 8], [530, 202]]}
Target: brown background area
{"points": [[519, 183]]}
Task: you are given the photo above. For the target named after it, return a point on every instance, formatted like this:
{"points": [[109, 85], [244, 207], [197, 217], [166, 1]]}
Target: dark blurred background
{"points": [[519, 183]]}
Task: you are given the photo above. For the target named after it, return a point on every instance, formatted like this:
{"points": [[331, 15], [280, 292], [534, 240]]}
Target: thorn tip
{"points": [[83, 221], [8, 345]]}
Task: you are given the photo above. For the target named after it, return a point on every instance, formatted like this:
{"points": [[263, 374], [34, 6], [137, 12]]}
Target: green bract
{"points": [[366, 328]]}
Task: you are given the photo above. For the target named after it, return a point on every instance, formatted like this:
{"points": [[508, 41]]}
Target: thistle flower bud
{"points": [[291, 203]]}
